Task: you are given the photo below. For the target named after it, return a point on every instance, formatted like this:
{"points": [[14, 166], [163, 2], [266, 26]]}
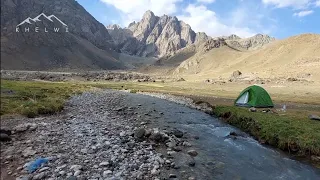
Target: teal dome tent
{"points": [[254, 96]]}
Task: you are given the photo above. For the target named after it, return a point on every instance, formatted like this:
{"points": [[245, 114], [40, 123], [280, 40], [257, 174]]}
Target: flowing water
{"points": [[222, 157]]}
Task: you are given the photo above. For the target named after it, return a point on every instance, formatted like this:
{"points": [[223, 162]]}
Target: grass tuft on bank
{"points": [[299, 136], [31, 98]]}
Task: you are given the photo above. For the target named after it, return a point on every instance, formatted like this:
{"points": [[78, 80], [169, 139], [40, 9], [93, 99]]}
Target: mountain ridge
{"points": [[86, 45], [159, 36], [155, 36]]}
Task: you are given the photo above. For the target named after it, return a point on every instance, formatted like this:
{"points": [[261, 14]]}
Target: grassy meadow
{"points": [[35, 98]]}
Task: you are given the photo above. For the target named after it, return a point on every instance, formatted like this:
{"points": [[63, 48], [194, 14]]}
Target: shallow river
{"points": [[221, 157]]}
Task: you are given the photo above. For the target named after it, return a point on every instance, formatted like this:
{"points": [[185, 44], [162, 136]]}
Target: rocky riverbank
{"points": [[120, 135], [98, 136]]}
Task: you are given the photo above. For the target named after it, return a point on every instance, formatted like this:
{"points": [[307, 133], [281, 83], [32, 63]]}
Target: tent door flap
{"points": [[244, 98]]}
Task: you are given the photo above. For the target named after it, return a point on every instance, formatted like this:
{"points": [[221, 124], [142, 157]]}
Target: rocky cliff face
{"points": [[155, 36], [81, 43]]}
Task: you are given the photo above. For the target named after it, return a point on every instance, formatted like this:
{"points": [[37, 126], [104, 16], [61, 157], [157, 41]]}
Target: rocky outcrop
{"points": [[155, 36], [81, 43], [251, 43]]}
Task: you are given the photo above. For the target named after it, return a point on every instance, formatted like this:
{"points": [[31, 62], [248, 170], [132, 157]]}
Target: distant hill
{"points": [[297, 57]]}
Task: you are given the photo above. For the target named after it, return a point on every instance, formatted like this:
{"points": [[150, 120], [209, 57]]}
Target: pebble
{"points": [[107, 173], [4, 137], [154, 172], [104, 163], [139, 133], [172, 176], [28, 152], [192, 163], [40, 176], [122, 134], [44, 169], [76, 167], [62, 173], [177, 133], [108, 143], [77, 173], [193, 153], [187, 144], [61, 167]]}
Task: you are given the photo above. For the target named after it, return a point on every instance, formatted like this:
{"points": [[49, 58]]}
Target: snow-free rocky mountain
{"points": [[154, 36], [157, 36], [88, 44]]}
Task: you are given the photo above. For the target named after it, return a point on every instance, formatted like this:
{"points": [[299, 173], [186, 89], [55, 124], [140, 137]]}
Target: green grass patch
{"points": [[32, 98], [297, 135]]}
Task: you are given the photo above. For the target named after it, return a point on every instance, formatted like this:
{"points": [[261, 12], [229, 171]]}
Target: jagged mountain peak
{"points": [[160, 36], [148, 14], [155, 36]]}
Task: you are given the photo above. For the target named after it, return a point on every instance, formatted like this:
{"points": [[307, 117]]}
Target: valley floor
{"points": [[109, 134], [125, 112]]}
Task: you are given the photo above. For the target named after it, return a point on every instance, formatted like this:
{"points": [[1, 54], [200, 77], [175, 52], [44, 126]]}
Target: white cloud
{"points": [[317, 3], [299, 4], [202, 19], [133, 10], [240, 21], [303, 13], [206, 1]]}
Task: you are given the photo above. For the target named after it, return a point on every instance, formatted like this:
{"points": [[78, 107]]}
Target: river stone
{"points": [[76, 167], [314, 117], [44, 169], [171, 144], [192, 163], [156, 136], [106, 173], [39, 176], [62, 173], [5, 131], [4, 137], [252, 109], [28, 152], [172, 176], [187, 144], [177, 133], [77, 173], [139, 133], [104, 164], [193, 153]]}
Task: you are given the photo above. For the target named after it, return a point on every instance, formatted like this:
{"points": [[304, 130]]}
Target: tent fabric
{"points": [[243, 99], [254, 96]]}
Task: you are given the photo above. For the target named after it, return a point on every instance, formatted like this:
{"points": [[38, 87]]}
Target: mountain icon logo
{"points": [[36, 19]]}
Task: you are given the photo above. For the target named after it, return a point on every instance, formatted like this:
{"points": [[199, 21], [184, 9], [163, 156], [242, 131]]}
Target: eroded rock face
{"points": [[86, 44], [251, 43], [155, 36]]}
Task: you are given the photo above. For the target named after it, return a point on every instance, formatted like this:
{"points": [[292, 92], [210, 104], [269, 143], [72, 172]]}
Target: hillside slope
{"points": [[297, 56], [87, 45]]}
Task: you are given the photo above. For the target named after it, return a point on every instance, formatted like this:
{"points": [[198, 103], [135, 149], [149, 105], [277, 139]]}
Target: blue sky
{"points": [[279, 18]]}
